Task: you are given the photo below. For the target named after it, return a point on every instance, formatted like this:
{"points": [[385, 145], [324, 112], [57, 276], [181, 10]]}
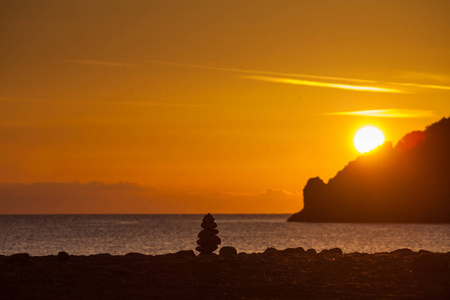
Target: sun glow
{"points": [[368, 138]]}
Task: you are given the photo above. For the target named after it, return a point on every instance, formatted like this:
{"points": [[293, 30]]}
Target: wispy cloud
{"points": [[296, 75], [386, 113], [102, 63], [325, 84], [103, 102], [338, 84], [20, 100], [409, 76], [287, 78], [103, 198], [315, 82], [422, 86], [166, 104]]}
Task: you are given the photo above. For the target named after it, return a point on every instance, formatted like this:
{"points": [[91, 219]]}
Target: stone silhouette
{"points": [[208, 240], [408, 183], [228, 251]]}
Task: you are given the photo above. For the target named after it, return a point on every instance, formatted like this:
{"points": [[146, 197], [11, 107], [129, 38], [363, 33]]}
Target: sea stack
{"points": [[208, 240]]}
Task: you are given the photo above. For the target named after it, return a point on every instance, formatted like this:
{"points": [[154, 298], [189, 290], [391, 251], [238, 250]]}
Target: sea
{"points": [[41, 235]]}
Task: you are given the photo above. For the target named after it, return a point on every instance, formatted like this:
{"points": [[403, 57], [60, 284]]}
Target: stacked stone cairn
{"points": [[208, 240]]}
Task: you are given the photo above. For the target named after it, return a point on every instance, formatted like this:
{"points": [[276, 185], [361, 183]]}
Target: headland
{"points": [[407, 183]]}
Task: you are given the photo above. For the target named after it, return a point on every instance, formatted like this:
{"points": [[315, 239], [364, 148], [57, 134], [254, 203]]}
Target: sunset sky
{"points": [[228, 106]]}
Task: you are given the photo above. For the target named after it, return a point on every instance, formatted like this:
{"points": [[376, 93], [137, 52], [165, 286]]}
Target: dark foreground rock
{"points": [[286, 274], [63, 256], [228, 251]]}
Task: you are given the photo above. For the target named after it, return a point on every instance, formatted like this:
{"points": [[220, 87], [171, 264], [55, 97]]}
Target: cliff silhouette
{"points": [[408, 183]]}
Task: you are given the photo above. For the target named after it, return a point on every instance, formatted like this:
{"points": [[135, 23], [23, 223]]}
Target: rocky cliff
{"points": [[408, 183]]}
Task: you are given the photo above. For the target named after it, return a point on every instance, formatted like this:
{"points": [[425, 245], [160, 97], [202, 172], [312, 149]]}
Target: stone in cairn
{"points": [[208, 240]]}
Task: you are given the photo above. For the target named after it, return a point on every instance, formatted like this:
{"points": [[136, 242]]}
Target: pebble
{"points": [[228, 251], [185, 253], [311, 251], [402, 251], [270, 251], [135, 254], [63, 256], [337, 251], [18, 257]]}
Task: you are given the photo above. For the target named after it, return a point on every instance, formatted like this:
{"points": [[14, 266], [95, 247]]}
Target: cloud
{"points": [[325, 84], [102, 63], [128, 198], [152, 103], [98, 102], [294, 81], [422, 86], [414, 76], [9, 99], [261, 72], [386, 113], [316, 77], [287, 77]]}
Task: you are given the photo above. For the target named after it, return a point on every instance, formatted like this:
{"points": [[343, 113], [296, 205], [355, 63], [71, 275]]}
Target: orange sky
{"points": [[234, 97]]}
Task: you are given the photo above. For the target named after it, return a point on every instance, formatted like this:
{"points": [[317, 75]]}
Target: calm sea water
{"points": [[158, 234]]}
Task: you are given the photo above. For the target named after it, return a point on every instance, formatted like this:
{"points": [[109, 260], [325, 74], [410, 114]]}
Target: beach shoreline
{"points": [[291, 273]]}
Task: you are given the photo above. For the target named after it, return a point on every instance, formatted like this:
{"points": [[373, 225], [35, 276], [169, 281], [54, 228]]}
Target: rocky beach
{"points": [[274, 274]]}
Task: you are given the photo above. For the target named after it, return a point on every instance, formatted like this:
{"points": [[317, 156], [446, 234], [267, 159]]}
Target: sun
{"points": [[368, 138]]}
